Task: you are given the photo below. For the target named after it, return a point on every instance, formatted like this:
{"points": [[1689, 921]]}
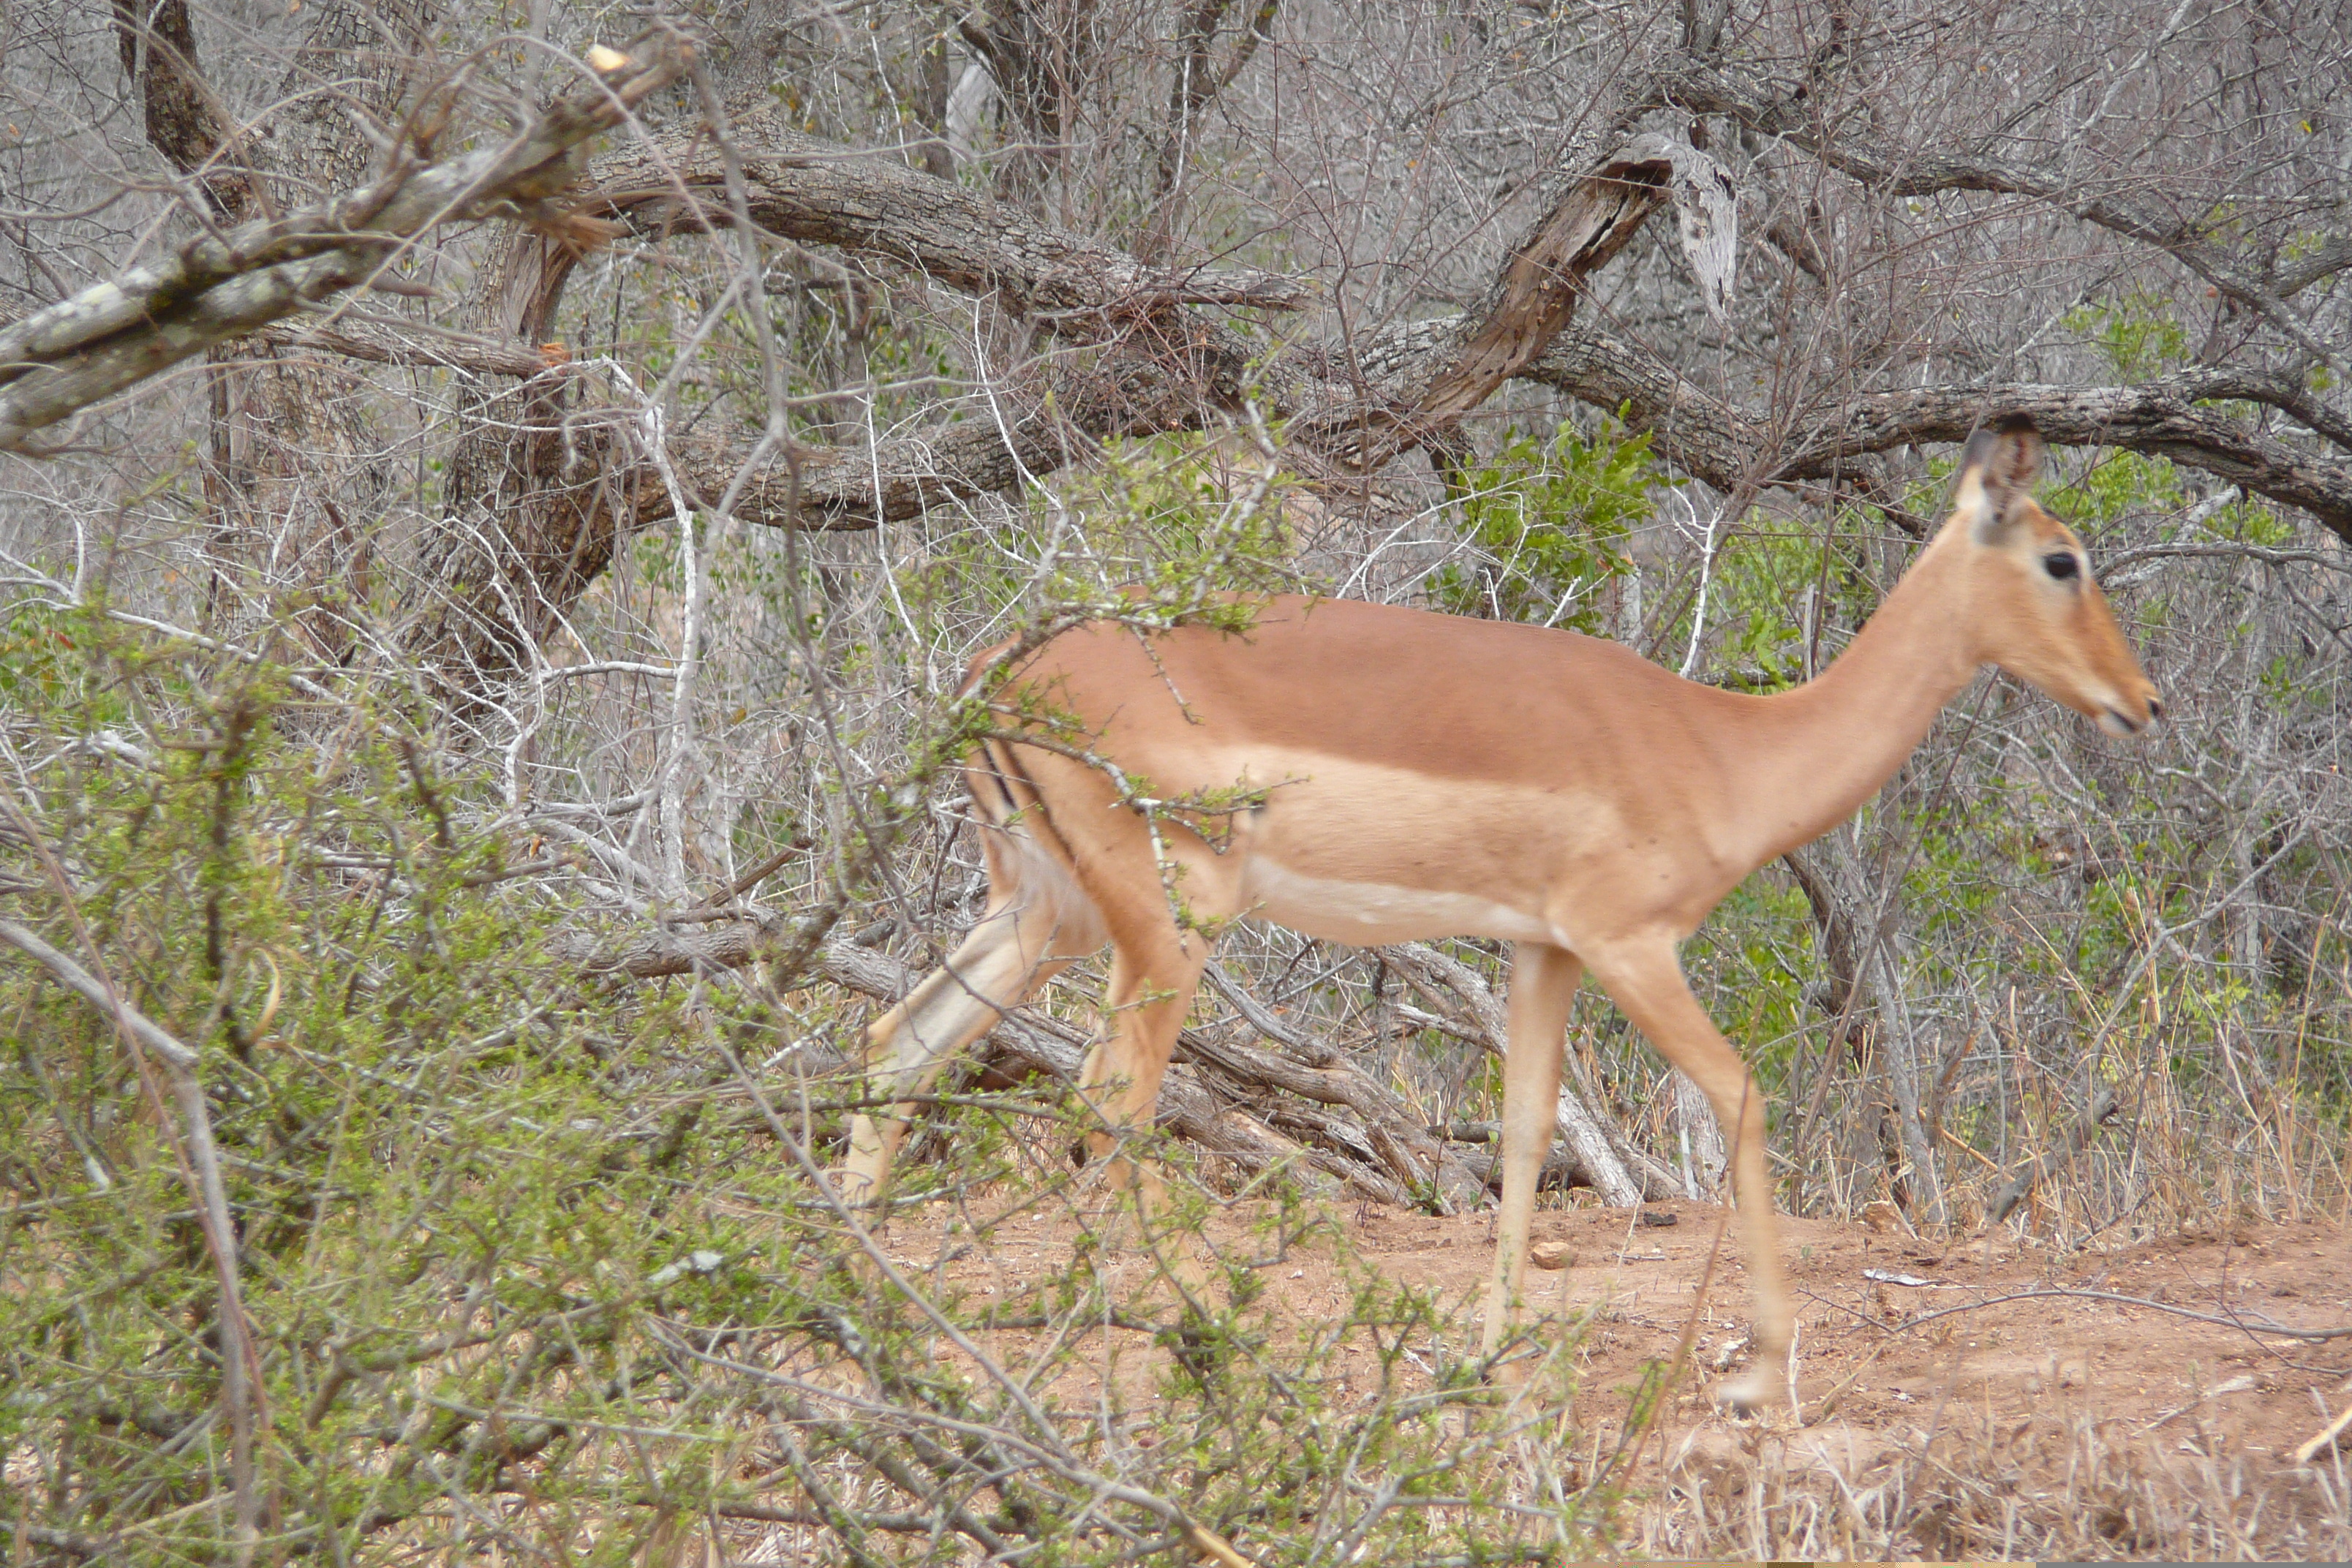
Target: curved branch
{"points": [[1723, 443], [2332, 257], [1149, 367], [1142, 385], [820, 192]]}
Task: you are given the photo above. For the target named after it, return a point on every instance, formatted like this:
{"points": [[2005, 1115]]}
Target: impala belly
{"points": [[1345, 851], [1365, 914]]}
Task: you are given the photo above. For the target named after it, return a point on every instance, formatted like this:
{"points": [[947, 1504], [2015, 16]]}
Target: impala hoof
{"points": [[1755, 1391], [859, 1193]]}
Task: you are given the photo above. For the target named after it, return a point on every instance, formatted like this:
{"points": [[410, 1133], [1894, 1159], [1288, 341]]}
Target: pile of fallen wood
{"points": [[1293, 1100], [1308, 1104]]}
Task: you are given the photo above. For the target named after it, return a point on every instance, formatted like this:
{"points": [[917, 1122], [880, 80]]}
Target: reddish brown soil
{"points": [[1861, 1339], [1880, 1378], [2121, 1360]]}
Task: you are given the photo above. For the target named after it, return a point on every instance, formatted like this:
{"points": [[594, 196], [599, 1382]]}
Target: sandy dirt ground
{"points": [[1902, 1345]]}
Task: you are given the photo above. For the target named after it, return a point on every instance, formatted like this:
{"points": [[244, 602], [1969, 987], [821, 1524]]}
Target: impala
{"points": [[1376, 775]]}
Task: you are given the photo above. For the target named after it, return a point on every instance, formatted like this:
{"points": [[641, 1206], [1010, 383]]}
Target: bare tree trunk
{"points": [[299, 477], [1899, 1044], [1041, 52], [530, 518], [1197, 80], [1700, 1139], [187, 125]]}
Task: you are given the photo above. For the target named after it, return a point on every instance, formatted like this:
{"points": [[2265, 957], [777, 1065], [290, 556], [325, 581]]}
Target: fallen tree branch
{"points": [[2225, 1321], [1401, 1142], [1602, 1156], [1228, 1110], [1023, 1043], [1028, 1042], [1559, 1167]]}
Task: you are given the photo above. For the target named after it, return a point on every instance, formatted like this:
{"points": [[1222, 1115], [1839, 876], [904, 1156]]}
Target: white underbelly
{"points": [[1366, 914]]}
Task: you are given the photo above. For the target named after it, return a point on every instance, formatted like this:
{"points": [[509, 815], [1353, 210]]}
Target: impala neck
{"points": [[1816, 753]]}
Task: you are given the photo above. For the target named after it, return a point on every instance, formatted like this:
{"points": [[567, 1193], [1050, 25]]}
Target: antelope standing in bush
{"points": [[1410, 775]]}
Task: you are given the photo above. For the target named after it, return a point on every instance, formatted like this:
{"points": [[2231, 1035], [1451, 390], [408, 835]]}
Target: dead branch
{"points": [[1536, 293], [1403, 1144], [2050, 1162], [1047, 423], [59, 361], [1168, 380], [1209, 1112], [1153, 367], [381, 345], [814, 191], [1026, 1043], [2225, 1320], [1030, 1042], [1794, 116], [1602, 1156], [1719, 442]]}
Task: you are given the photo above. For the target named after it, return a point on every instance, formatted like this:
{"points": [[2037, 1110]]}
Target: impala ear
{"points": [[1996, 472]]}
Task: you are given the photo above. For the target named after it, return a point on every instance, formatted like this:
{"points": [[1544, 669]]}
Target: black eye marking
{"points": [[2062, 564]]}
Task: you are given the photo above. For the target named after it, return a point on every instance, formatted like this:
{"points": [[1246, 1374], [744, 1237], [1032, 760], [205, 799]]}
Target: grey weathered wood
{"points": [[1605, 1163], [1027, 1043], [2105, 1103], [1705, 434], [80, 351]]}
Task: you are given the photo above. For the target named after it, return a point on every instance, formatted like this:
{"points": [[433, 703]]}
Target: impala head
{"points": [[2038, 613]]}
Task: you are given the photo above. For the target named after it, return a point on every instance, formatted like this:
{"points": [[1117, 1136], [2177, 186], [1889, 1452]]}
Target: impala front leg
{"points": [[1646, 981], [1543, 986]]}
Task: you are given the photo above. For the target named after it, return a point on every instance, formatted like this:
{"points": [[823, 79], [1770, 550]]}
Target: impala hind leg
{"points": [[1152, 979], [1543, 987], [1025, 939], [1646, 982], [1151, 983]]}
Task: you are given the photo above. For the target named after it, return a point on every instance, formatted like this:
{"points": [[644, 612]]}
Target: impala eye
{"points": [[2062, 564]]}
